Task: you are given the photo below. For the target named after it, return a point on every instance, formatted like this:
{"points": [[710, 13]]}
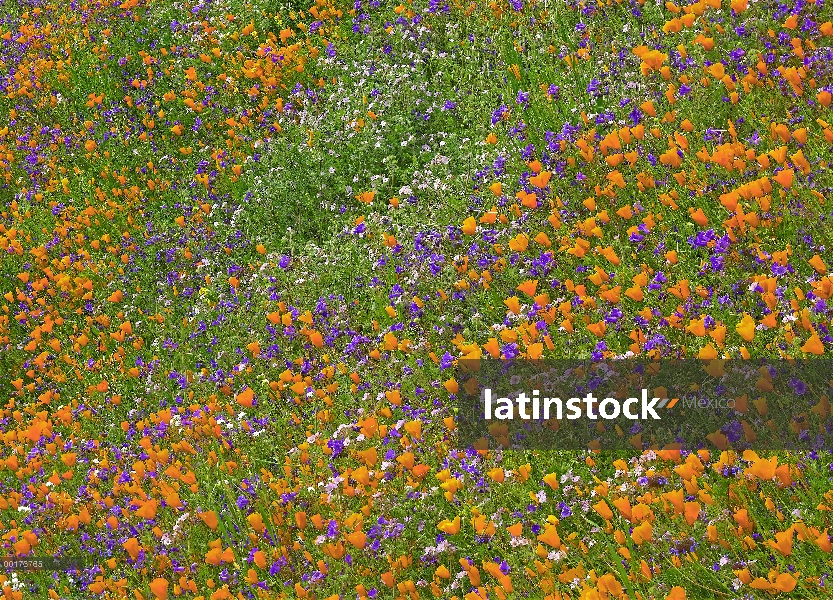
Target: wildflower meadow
{"points": [[245, 245]]}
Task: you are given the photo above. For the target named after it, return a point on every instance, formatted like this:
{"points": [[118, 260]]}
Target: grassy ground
{"points": [[245, 244]]}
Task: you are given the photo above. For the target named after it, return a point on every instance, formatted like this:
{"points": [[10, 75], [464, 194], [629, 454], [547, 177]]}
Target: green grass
{"points": [[296, 195]]}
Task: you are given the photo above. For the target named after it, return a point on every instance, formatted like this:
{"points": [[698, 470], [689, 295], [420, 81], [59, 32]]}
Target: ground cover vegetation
{"points": [[243, 245]]}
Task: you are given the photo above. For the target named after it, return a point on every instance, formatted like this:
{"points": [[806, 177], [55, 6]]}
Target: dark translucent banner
{"points": [[639, 404]]}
